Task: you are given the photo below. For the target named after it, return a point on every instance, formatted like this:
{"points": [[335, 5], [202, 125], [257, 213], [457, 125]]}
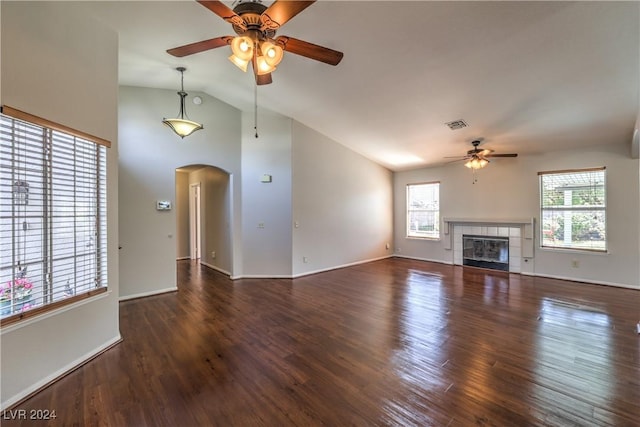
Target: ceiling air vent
{"points": [[457, 124]]}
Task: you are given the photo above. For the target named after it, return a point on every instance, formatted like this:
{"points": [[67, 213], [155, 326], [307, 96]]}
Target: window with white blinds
{"points": [[53, 247], [573, 209]]}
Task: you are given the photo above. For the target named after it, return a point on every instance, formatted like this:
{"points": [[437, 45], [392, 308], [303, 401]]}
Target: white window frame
{"points": [[52, 215], [562, 238], [412, 229]]}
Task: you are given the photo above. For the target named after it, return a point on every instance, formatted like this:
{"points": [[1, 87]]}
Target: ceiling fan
{"points": [[255, 25], [477, 158]]}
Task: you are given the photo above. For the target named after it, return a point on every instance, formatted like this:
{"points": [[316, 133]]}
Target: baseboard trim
{"points": [[213, 267], [183, 258], [351, 264], [438, 261], [36, 388], [588, 282], [148, 294], [548, 276], [262, 276], [307, 273]]}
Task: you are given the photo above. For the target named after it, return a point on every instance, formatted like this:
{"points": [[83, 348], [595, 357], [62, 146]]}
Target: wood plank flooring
{"points": [[395, 342]]}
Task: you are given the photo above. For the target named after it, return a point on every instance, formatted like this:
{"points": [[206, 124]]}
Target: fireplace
{"points": [[519, 232], [486, 252]]}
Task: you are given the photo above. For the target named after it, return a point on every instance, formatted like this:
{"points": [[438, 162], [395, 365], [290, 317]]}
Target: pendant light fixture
{"points": [[182, 126]]}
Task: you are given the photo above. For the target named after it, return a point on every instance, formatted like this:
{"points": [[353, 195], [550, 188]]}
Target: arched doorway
{"points": [[203, 216]]}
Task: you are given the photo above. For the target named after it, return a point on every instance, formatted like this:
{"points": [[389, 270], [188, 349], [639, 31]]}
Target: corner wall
{"points": [[342, 205], [64, 68]]}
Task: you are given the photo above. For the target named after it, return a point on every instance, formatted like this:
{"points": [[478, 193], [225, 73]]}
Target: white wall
{"points": [[266, 207], [508, 188], [342, 204], [65, 69], [181, 206], [149, 155]]}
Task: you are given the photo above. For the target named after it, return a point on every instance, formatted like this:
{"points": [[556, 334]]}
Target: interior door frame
{"points": [[195, 221]]}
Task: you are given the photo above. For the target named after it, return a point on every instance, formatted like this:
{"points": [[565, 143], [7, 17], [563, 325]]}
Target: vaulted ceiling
{"points": [[527, 77]]}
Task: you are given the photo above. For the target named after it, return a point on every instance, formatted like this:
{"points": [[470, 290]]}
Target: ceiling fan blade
{"points": [[453, 161], [502, 155], [224, 12], [190, 49], [310, 50], [280, 12]]}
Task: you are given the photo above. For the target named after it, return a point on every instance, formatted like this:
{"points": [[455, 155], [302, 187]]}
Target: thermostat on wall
{"points": [[265, 178], [163, 205]]}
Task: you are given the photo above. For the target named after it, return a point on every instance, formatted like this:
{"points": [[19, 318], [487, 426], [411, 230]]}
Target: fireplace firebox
{"points": [[486, 252]]}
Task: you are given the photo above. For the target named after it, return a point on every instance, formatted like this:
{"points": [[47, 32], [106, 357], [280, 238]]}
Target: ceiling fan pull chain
{"points": [[255, 108]]}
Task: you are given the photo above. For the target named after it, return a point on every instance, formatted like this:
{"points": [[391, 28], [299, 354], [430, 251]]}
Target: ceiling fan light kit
{"points": [[182, 126], [256, 26], [476, 163], [476, 158]]}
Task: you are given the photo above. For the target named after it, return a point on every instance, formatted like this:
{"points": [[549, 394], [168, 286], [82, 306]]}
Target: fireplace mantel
{"points": [[526, 225], [522, 222]]}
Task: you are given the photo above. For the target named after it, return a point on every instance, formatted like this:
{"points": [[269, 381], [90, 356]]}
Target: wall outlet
{"points": [[261, 225], [575, 263], [386, 246], [305, 259], [213, 254]]}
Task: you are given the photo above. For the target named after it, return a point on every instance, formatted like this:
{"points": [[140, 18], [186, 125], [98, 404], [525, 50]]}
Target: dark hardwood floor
{"points": [[394, 342]]}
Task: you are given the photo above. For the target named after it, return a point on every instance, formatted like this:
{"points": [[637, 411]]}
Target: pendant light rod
{"points": [[182, 93]]}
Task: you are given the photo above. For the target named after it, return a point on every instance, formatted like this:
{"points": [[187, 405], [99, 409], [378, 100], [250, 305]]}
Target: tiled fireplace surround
{"points": [[519, 232]]}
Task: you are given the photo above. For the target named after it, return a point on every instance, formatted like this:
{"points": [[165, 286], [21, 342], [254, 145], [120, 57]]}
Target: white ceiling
{"points": [[527, 77]]}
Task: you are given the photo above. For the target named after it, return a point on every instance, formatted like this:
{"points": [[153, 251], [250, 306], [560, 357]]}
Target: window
{"points": [[423, 210], [573, 209], [52, 215]]}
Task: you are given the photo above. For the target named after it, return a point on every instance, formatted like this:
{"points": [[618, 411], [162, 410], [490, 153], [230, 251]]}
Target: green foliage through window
{"points": [[573, 209], [423, 210]]}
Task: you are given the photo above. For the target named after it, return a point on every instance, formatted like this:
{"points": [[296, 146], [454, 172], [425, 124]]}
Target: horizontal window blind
{"points": [[573, 209], [52, 217]]}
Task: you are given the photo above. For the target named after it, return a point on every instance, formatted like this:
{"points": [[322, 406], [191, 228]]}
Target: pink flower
{"points": [[21, 288]]}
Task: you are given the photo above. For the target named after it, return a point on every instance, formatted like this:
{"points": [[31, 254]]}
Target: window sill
{"points": [[23, 319], [433, 239], [574, 250]]}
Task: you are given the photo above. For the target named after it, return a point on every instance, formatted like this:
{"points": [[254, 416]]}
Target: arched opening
{"points": [[203, 216]]}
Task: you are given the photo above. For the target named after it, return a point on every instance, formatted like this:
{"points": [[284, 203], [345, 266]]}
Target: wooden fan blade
{"points": [[280, 12], [190, 49], [310, 50], [224, 12], [502, 155], [453, 161]]}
